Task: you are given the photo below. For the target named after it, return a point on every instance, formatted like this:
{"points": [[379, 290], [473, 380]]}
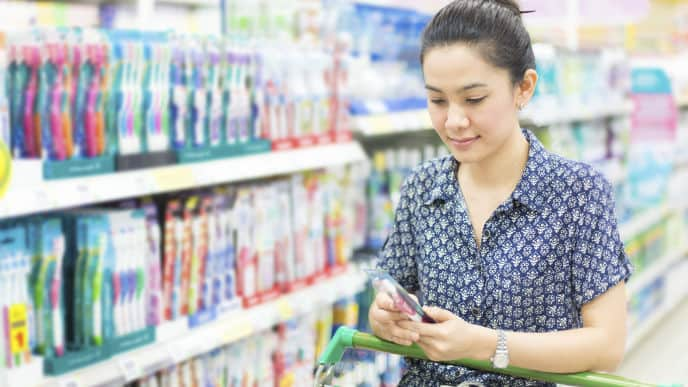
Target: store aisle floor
{"points": [[662, 357]]}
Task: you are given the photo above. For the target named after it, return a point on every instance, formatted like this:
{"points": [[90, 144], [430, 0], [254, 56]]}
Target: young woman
{"points": [[516, 249]]}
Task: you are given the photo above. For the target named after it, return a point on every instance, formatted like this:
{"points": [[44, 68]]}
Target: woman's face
{"points": [[472, 104]]}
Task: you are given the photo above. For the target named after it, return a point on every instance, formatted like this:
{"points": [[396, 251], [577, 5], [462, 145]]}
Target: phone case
{"points": [[383, 282]]}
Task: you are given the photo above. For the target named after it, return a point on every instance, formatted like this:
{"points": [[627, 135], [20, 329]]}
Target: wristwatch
{"points": [[501, 356]]}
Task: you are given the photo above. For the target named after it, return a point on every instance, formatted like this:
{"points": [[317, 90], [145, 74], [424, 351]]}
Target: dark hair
{"points": [[494, 27]]}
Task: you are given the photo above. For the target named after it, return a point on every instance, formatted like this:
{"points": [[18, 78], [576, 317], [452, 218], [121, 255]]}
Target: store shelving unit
{"points": [[29, 193], [418, 120], [393, 123], [546, 118], [191, 3], [657, 316], [654, 271], [225, 329], [682, 102], [644, 220]]}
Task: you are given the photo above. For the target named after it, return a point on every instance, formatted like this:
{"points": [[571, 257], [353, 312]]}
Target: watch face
{"points": [[501, 360]]}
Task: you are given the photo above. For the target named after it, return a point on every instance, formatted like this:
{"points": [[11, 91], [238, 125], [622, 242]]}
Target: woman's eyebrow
{"points": [[460, 89]]}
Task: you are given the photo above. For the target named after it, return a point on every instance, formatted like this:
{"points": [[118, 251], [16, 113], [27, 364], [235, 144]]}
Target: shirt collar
{"points": [[532, 191], [534, 188]]}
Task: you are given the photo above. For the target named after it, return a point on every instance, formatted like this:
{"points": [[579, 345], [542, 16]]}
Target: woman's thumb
{"points": [[439, 314]]}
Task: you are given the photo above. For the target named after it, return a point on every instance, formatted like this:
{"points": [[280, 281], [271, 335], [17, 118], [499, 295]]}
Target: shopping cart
{"points": [[350, 338]]}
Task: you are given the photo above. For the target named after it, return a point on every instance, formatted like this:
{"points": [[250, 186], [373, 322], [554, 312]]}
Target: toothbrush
{"points": [[216, 100], [91, 100], [25, 269], [121, 91], [200, 102], [56, 129], [154, 276], [178, 98], [30, 60], [140, 274], [56, 311], [118, 278], [194, 280], [66, 102], [99, 84], [137, 97], [130, 316], [176, 288], [98, 289], [163, 84], [151, 93], [5, 276]]}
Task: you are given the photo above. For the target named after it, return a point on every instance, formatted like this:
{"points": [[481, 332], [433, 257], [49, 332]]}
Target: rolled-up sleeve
{"points": [[599, 259]]}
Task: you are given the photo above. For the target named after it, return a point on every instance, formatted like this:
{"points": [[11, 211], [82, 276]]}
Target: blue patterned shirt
{"points": [[546, 251]]}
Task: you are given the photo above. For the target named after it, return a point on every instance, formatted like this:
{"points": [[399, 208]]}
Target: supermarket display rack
{"points": [[226, 329], [29, 193], [546, 118], [411, 121]]}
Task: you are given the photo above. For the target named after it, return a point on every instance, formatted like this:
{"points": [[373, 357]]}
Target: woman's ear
{"points": [[526, 88]]}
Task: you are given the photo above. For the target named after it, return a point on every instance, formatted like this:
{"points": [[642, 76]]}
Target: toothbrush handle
{"points": [[55, 125], [57, 318]]}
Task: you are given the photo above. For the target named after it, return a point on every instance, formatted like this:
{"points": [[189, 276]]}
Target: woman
{"points": [[516, 249]]}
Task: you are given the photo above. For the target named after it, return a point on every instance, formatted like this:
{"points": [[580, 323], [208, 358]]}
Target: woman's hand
{"points": [[385, 320], [451, 338]]}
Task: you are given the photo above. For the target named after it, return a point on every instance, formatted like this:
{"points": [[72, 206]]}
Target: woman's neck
{"points": [[503, 168]]}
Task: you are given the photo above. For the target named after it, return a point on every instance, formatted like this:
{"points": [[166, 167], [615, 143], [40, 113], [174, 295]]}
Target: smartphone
{"points": [[383, 282]]}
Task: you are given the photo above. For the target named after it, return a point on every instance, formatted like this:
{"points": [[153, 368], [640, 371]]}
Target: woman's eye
{"points": [[475, 101], [437, 101]]}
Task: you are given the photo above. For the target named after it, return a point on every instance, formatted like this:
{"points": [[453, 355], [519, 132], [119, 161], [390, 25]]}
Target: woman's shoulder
{"points": [[576, 176], [431, 171], [431, 179]]}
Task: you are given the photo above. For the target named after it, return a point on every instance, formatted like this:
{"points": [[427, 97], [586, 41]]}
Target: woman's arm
{"points": [[598, 346]]}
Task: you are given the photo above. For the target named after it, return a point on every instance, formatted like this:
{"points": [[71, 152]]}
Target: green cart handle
{"points": [[349, 338]]}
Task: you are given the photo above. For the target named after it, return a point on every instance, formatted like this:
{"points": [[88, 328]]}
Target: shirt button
{"points": [[476, 312], [486, 235]]}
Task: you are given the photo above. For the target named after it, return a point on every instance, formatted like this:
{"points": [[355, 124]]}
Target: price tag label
{"points": [[238, 330], [177, 353], [173, 178], [400, 122], [5, 166], [84, 194], [41, 199], [131, 368], [19, 331], [285, 309], [69, 382], [333, 293], [381, 123]]}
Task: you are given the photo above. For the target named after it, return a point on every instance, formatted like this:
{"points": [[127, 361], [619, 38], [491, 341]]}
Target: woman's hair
{"points": [[494, 27]]}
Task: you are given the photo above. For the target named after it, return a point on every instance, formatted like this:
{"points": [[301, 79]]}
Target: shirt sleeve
{"points": [[599, 259], [397, 256]]}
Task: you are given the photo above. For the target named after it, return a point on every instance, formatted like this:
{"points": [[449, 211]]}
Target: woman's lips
{"points": [[463, 143]]}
